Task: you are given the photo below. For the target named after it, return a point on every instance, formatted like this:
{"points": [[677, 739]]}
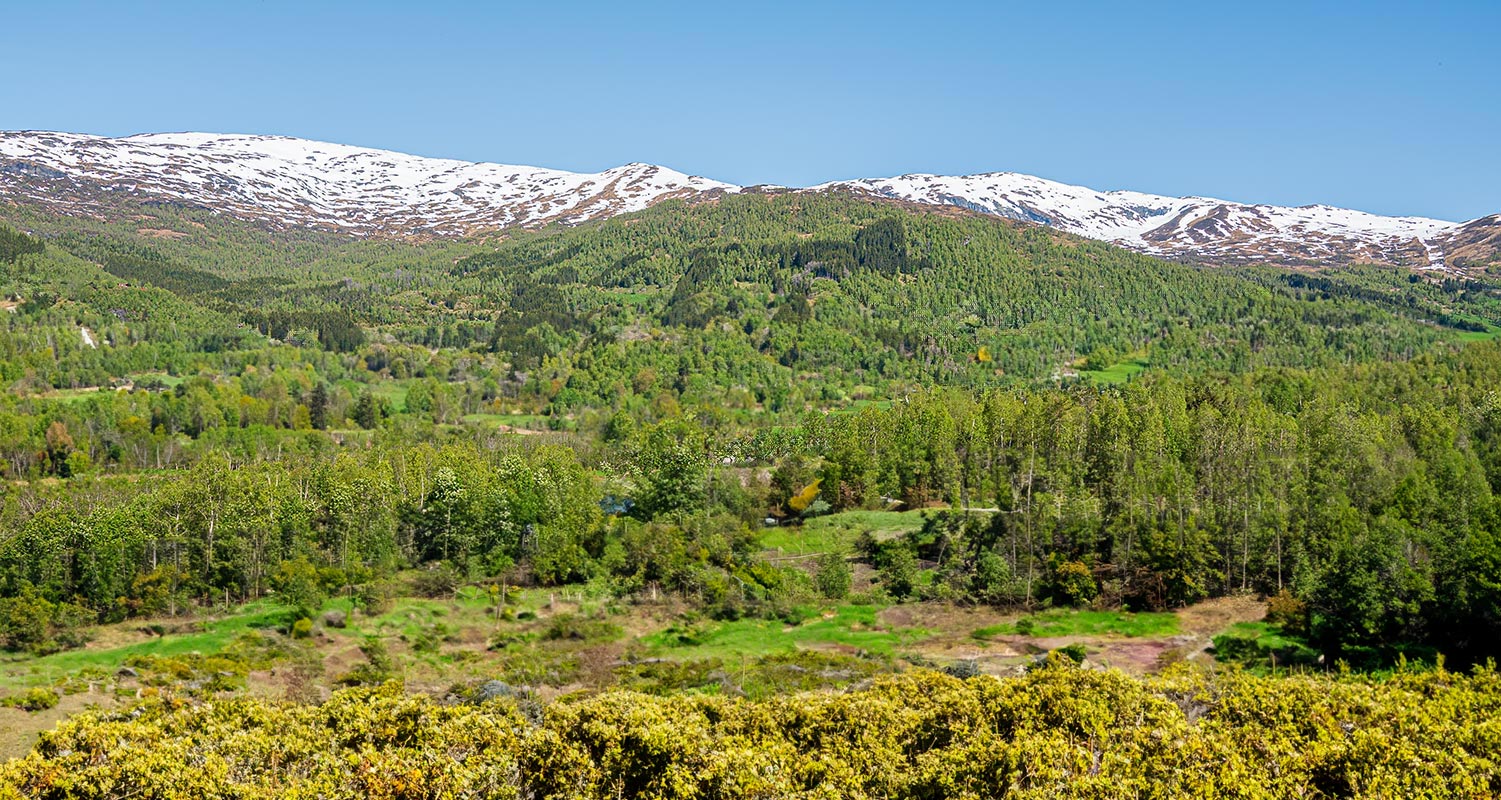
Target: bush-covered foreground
{"points": [[1060, 731]]}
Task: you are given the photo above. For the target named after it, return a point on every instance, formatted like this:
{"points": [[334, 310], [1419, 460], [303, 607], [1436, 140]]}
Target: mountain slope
{"points": [[1475, 243], [293, 182], [1205, 229], [297, 182]]}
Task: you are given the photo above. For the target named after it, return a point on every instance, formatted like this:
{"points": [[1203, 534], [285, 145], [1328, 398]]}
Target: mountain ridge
{"points": [[1202, 228], [362, 190], [286, 181]]}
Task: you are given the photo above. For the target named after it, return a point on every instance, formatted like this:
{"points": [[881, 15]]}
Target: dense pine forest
{"points": [[614, 463]]}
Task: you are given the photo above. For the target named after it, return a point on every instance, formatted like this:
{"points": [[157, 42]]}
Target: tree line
{"points": [[1366, 496]]}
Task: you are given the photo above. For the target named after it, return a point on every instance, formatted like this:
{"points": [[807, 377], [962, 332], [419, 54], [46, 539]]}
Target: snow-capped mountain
{"points": [[298, 182], [1214, 231], [294, 182]]}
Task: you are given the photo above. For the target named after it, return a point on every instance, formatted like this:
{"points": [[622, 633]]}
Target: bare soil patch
{"points": [[1212, 616], [161, 233], [19, 729], [952, 626]]}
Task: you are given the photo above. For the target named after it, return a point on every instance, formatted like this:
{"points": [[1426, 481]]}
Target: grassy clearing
{"points": [[169, 381], [1120, 372], [847, 627], [836, 533], [410, 619], [529, 421], [1479, 336], [393, 392], [1068, 622], [991, 631], [471, 608], [72, 395], [212, 636], [441, 640]]}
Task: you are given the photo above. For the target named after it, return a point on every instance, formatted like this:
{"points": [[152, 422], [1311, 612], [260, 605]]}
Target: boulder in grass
{"points": [[335, 619], [493, 690]]}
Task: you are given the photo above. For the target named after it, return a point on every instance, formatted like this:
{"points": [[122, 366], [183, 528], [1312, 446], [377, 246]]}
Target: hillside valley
{"points": [[332, 472], [283, 182]]}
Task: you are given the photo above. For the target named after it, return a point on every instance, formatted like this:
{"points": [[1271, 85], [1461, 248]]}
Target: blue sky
{"points": [[1384, 106]]}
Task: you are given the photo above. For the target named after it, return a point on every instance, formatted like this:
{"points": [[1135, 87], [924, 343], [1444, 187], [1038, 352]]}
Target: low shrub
{"points": [[38, 699]]}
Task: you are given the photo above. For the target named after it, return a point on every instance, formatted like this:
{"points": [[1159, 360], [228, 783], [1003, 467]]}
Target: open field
{"points": [[1119, 372], [836, 533], [554, 641], [528, 422]]}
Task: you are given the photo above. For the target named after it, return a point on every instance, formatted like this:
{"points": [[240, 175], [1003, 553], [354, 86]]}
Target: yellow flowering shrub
{"points": [[1058, 732]]}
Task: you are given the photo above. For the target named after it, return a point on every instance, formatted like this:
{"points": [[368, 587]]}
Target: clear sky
{"points": [[1384, 106]]}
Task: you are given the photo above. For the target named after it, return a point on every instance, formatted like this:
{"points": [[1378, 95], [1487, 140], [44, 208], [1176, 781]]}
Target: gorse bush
{"points": [[37, 699], [1059, 732]]}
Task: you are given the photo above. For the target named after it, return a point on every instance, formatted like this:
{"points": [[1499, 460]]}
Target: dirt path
{"points": [[1203, 620]]}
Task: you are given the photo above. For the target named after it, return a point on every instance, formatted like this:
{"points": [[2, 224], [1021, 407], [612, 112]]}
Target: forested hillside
{"points": [[752, 292]]}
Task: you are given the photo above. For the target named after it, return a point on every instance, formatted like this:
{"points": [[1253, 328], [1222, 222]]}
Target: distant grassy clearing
{"points": [[836, 533], [852, 626], [212, 636], [72, 395], [1120, 372], [470, 606], [1061, 622], [114, 644], [393, 392], [1479, 336], [528, 421], [169, 381]]}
